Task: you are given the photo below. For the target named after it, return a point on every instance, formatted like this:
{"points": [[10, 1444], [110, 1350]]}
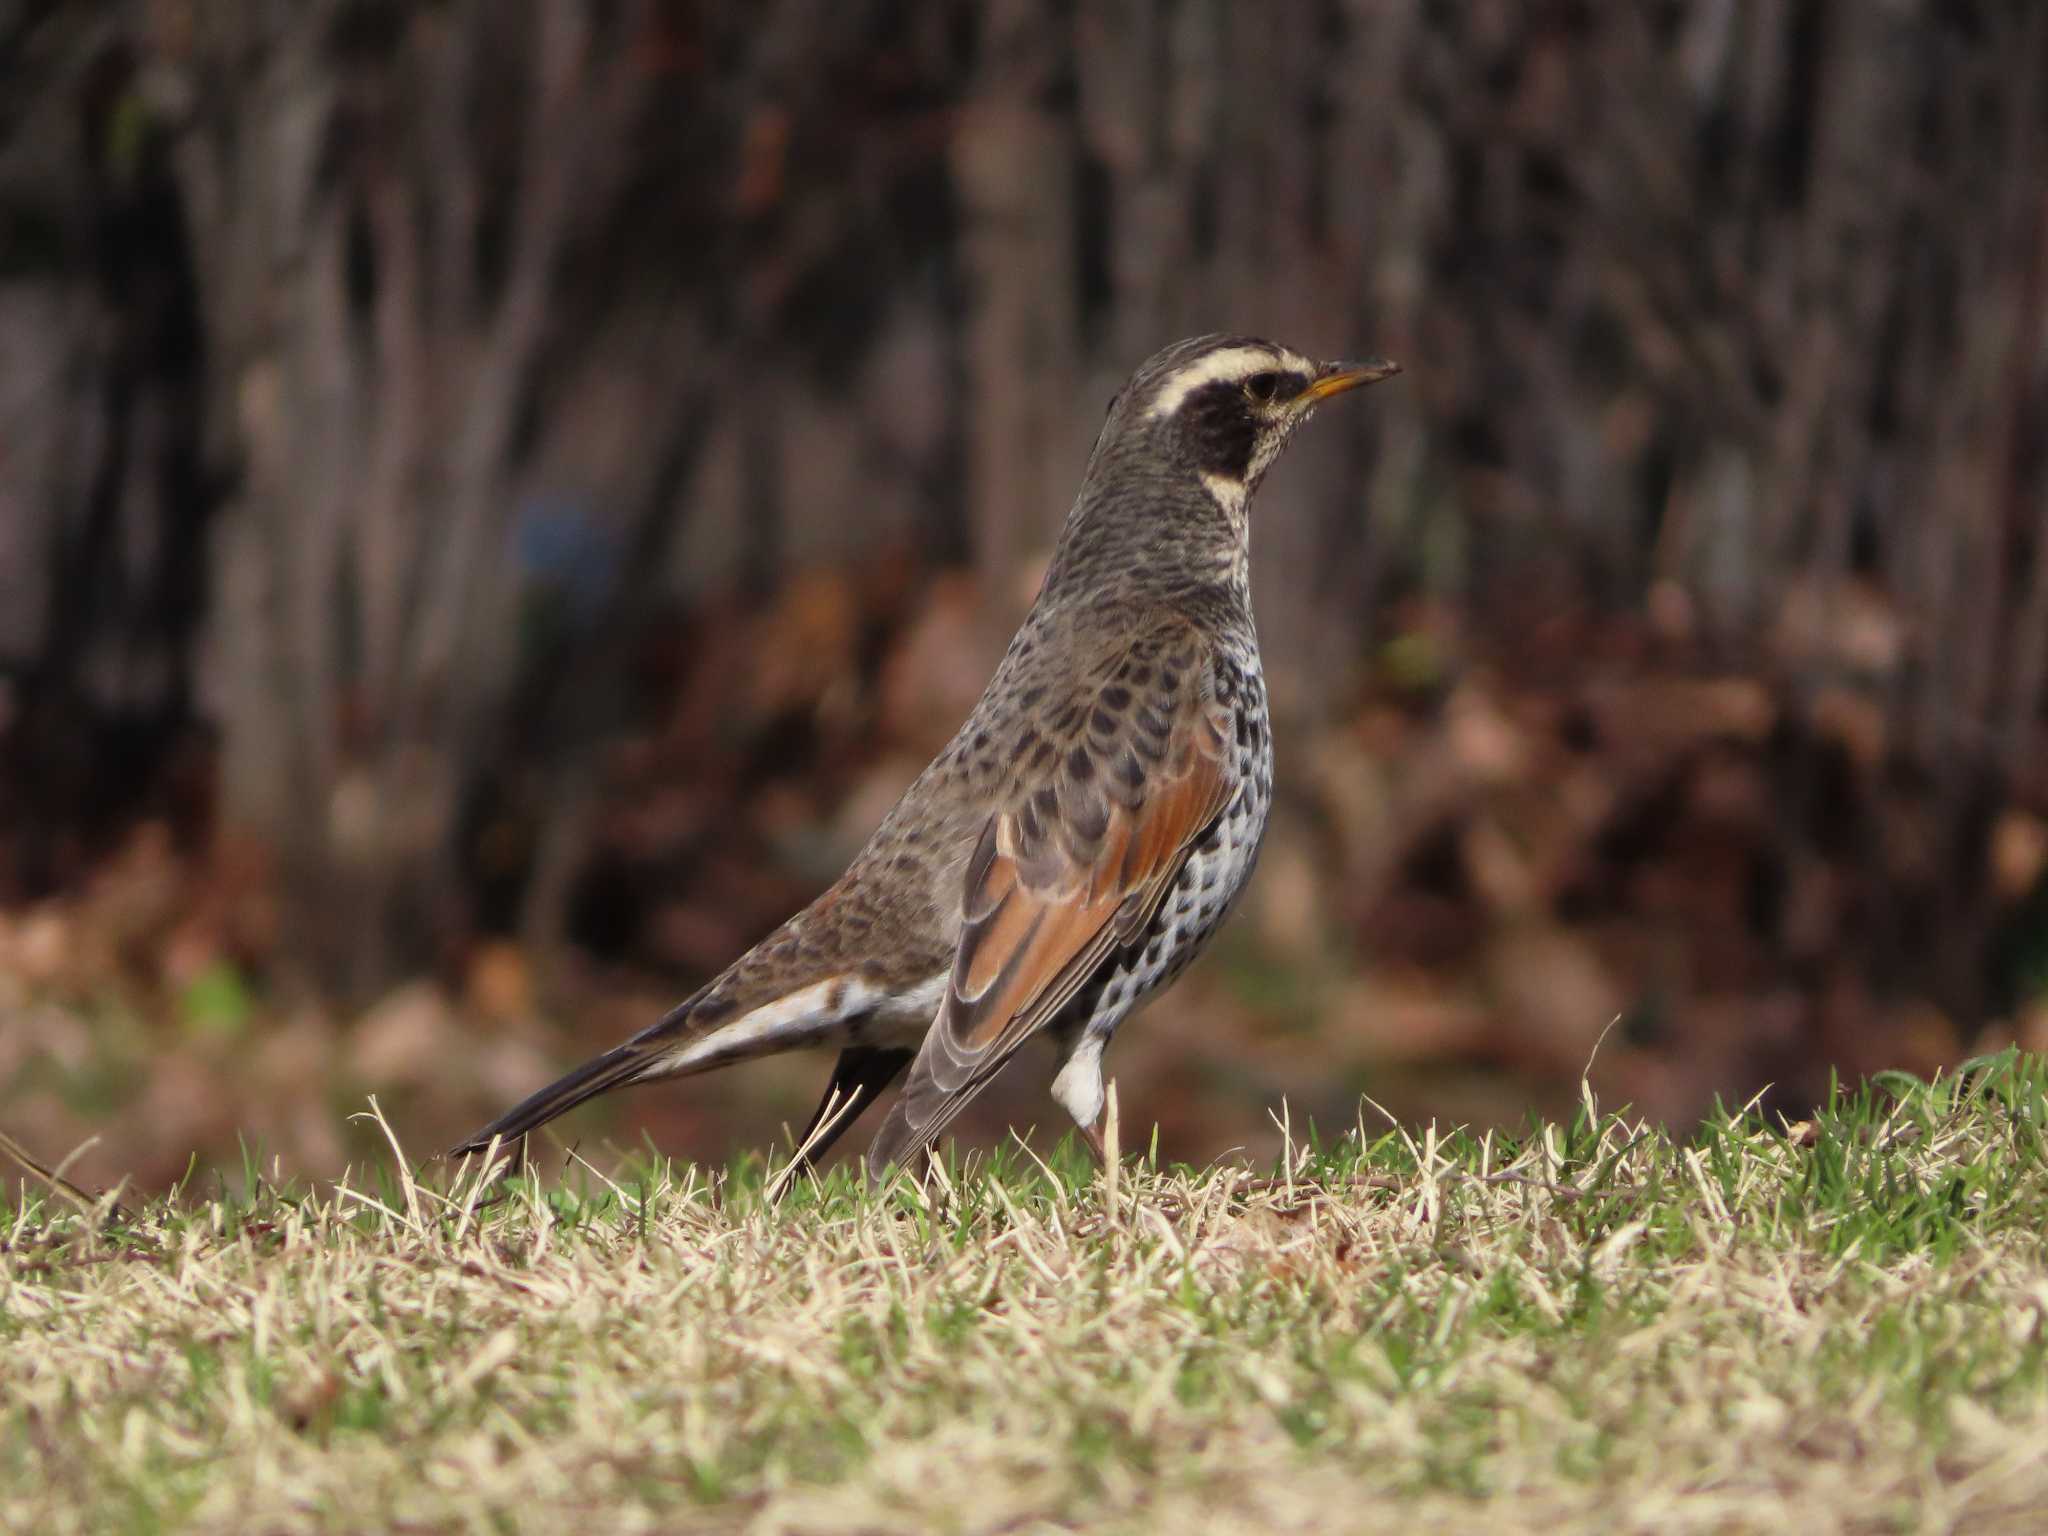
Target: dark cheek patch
{"points": [[1219, 429]]}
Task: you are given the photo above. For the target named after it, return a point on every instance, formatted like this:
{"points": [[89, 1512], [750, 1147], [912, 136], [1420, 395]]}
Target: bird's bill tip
{"points": [[1338, 377]]}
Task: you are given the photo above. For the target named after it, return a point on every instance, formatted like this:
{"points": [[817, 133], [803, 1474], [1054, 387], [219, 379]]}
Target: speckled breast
{"points": [[1209, 884]]}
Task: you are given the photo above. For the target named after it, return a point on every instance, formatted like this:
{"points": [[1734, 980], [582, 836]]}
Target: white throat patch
{"points": [[1229, 493]]}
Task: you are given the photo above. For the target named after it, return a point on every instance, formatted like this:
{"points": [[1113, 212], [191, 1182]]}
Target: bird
{"points": [[1085, 832]]}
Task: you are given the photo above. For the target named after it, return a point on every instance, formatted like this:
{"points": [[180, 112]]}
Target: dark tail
{"points": [[623, 1064], [614, 1068]]}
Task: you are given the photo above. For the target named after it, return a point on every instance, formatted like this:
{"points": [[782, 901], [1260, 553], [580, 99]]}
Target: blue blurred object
{"points": [[567, 557]]}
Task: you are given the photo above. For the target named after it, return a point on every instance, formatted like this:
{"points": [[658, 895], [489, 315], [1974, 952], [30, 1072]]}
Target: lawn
{"points": [[1827, 1327]]}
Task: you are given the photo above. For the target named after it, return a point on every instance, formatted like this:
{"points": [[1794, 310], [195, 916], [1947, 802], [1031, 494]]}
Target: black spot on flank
{"points": [[1117, 698], [1030, 696], [1150, 721], [1130, 770], [981, 741], [1080, 765], [1138, 676], [1043, 757], [1047, 803], [1102, 723], [1169, 680]]}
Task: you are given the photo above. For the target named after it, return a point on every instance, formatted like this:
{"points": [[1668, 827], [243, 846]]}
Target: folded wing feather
{"points": [[1065, 874]]}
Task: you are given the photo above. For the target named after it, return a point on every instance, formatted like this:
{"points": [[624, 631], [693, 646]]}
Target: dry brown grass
{"points": [[1590, 1328]]}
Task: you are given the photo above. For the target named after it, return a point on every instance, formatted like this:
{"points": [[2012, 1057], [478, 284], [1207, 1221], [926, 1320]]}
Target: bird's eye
{"points": [[1262, 387]]}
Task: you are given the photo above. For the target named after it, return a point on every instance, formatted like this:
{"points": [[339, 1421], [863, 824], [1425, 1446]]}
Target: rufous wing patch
{"points": [[1038, 922]]}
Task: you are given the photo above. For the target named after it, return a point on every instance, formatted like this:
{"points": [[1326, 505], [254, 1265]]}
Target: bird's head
{"points": [[1223, 407], [1185, 443]]}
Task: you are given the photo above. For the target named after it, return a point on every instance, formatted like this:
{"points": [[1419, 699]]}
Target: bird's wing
{"points": [[1110, 792]]}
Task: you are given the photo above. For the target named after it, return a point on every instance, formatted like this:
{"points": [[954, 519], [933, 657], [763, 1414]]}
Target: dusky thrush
{"points": [[1082, 836]]}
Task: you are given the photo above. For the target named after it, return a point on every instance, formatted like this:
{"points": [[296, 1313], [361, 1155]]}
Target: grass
{"points": [[1832, 1327]]}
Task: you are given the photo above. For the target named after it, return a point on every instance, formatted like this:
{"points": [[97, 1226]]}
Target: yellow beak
{"points": [[1339, 377]]}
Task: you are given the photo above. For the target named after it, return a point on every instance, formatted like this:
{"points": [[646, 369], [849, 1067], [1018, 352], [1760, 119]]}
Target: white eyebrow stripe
{"points": [[1228, 363]]}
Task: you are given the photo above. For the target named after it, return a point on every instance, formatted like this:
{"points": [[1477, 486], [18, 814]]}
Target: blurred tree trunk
{"points": [[378, 353], [104, 495], [401, 221], [1008, 161]]}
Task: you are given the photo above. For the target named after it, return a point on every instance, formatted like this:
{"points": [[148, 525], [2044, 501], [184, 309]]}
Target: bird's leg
{"points": [[1079, 1090], [863, 1073]]}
